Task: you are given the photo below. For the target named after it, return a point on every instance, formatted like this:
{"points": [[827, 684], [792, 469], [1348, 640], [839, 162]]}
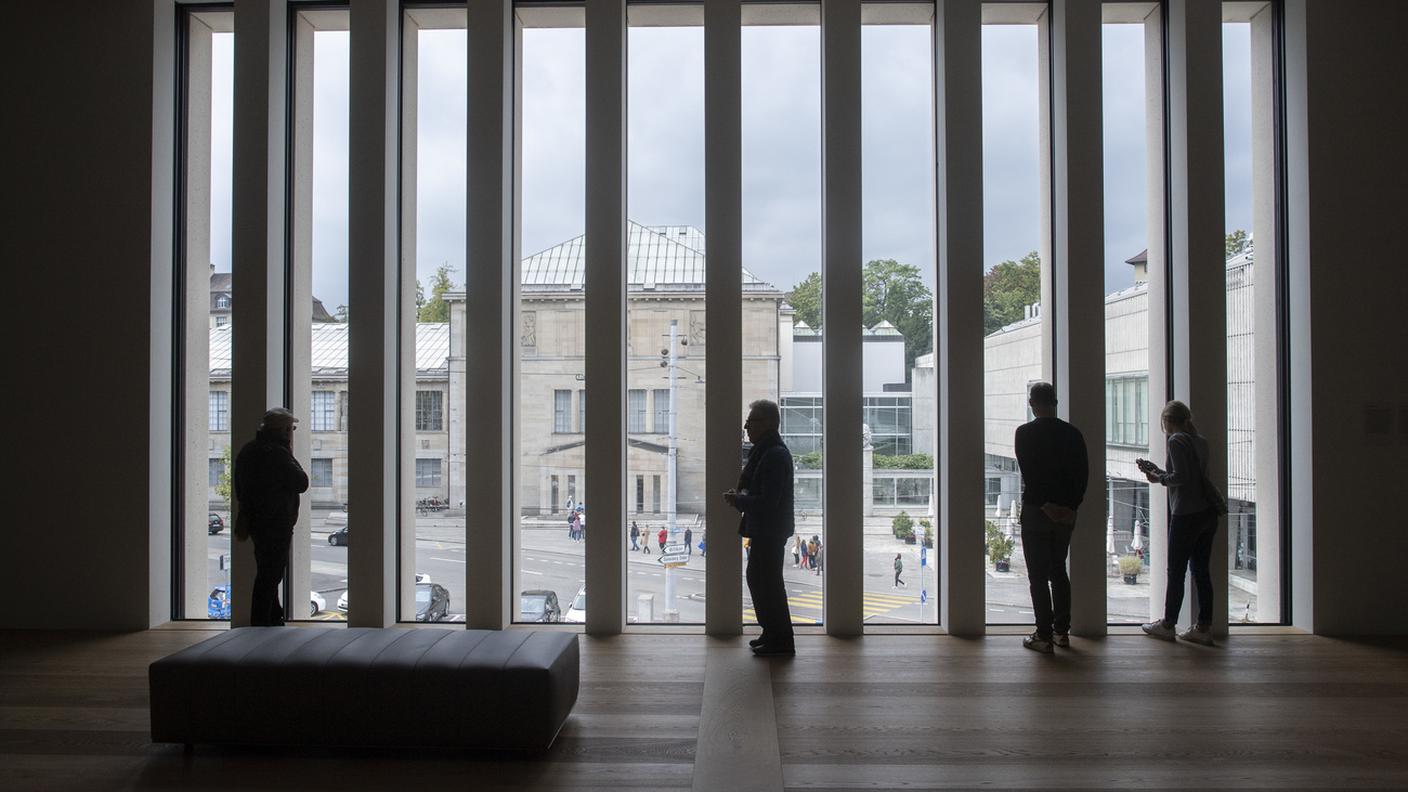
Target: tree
{"points": [[894, 293], [1237, 242], [1008, 288], [435, 309], [805, 298], [224, 486], [420, 298]]}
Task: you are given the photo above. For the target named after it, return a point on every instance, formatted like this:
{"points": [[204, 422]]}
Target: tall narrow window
{"points": [[897, 157], [1012, 274], [782, 283], [665, 308], [323, 413], [430, 411], [205, 303], [552, 330]]}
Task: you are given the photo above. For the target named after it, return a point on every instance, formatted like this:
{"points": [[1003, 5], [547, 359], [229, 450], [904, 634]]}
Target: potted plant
{"points": [[1129, 568], [903, 527], [999, 548], [928, 533]]}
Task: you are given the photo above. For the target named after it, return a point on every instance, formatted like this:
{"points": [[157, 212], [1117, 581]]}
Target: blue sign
{"points": [[923, 596], [923, 556]]}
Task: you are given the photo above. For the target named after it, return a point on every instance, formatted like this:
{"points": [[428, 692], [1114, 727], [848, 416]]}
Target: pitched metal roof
{"points": [[329, 354], [664, 257]]}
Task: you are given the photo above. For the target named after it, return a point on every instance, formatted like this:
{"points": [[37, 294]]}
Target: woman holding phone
{"points": [[1192, 524]]}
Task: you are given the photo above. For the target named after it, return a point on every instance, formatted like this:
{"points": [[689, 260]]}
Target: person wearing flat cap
{"points": [[268, 481]]}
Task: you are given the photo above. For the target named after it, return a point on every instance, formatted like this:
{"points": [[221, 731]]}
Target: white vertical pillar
{"points": [[1156, 223], [958, 129], [1078, 265], [605, 284], [373, 285], [723, 305], [1197, 266], [841, 310], [491, 293], [405, 596], [1266, 290], [257, 240], [195, 357], [300, 346]]}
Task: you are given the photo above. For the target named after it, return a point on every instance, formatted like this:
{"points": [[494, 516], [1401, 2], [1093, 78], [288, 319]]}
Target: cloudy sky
{"points": [[781, 145]]}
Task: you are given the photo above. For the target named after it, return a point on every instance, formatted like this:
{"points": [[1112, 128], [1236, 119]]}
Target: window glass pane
{"points": [[781, 116], [1012, 267], [204, 378], [1127, 160], [665, 319], [548, 552]]}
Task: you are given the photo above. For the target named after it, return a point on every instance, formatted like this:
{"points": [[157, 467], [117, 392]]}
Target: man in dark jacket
{"points": [[764, 496], [267, 481], [1051, 454]]}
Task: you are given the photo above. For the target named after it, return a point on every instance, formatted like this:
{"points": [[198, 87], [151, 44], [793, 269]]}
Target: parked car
{"points": [[336, 519], [216, 525], [422, 579], [218, 603], [577, 611], [432, 602], [538, 605], [338, 538]]}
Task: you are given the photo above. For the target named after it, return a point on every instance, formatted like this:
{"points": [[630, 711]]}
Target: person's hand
{"points": [[731, 497]]}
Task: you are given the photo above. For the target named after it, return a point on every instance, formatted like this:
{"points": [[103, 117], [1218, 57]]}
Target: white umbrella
{"points": [[1110, 534], [1138, 542]]}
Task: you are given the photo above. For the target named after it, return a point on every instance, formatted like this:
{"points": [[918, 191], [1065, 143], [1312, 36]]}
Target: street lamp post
{"points": [[672, 613]]}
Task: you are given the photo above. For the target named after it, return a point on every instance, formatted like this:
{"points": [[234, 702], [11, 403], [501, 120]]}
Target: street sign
{"points": [[675, 549], [923, 556], [674, 559], [923, 596]]}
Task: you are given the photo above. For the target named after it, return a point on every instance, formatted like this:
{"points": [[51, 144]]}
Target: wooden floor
{"points": [[903, 712]]}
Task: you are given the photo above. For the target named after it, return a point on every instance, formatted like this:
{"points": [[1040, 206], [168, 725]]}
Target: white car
{"points": [[421, 577], [336, 519], [577, 612], [317, 603]]}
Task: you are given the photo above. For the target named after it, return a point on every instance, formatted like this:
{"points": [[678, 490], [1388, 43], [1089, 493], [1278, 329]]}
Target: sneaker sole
{"points": [[1157, 637]]}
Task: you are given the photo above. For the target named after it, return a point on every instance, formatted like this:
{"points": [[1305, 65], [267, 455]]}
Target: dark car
{"points": [[216, 525], [338, 538], [432, 602], [538, 605]]}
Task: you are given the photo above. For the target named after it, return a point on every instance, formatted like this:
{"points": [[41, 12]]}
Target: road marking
{"points": [[530, 572], [451, 560]]}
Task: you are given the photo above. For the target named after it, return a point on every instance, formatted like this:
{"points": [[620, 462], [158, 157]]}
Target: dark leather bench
{"points": [[481, 689]]}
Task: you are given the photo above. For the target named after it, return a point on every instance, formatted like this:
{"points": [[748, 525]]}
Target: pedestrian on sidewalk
{"points": [[1052, 457], [703, 547], [1194, 505], [645, 540], [635, 534], [820, 558], [662, 536], [811, 552], [899, 568], [797, 552], [581, 523], [688, 542], [805, 561]]}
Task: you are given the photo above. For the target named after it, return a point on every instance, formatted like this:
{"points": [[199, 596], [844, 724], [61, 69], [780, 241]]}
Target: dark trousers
{"points": [[1045, 544], [271, 549], [764, 575], [1190, 542]]}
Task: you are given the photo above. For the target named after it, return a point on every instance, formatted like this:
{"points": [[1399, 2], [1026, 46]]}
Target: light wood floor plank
{"points": [[737, 749]]}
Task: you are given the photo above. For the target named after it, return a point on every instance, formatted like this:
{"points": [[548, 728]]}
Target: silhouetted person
{"points": [[635, 535], [1192, 523], [1055, 470], [267, 482], [689, 541], [764, 496]]}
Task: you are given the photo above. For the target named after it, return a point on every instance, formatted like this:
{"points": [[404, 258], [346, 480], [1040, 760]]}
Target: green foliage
{"points": [[435, 309], [810, 460], [928, 532], [902, 526], [894, 293], [805, 298], [1008, 288], [224, 486], [1130, 565], [904, 462], [1237, 242], [999, 547]]}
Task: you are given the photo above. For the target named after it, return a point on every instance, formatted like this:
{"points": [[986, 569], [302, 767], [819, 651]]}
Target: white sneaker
{"points": [[1157, 629], [1062, 640], [1197, 635], [1036, 643]]}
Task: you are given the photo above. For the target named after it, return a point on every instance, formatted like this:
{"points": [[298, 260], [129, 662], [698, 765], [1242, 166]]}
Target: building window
{"points": [[640, 494], [324, 416], [430, 409], [217, 469], [662, 410], [1126, 412], [219, 411], [321, 473], [342, 411], [655, 494], [801, 423], [427, 472], [555, 494], [223, 302], [581, 411], [635, 411], [562, 411], [992, 490], [221, 321]]}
